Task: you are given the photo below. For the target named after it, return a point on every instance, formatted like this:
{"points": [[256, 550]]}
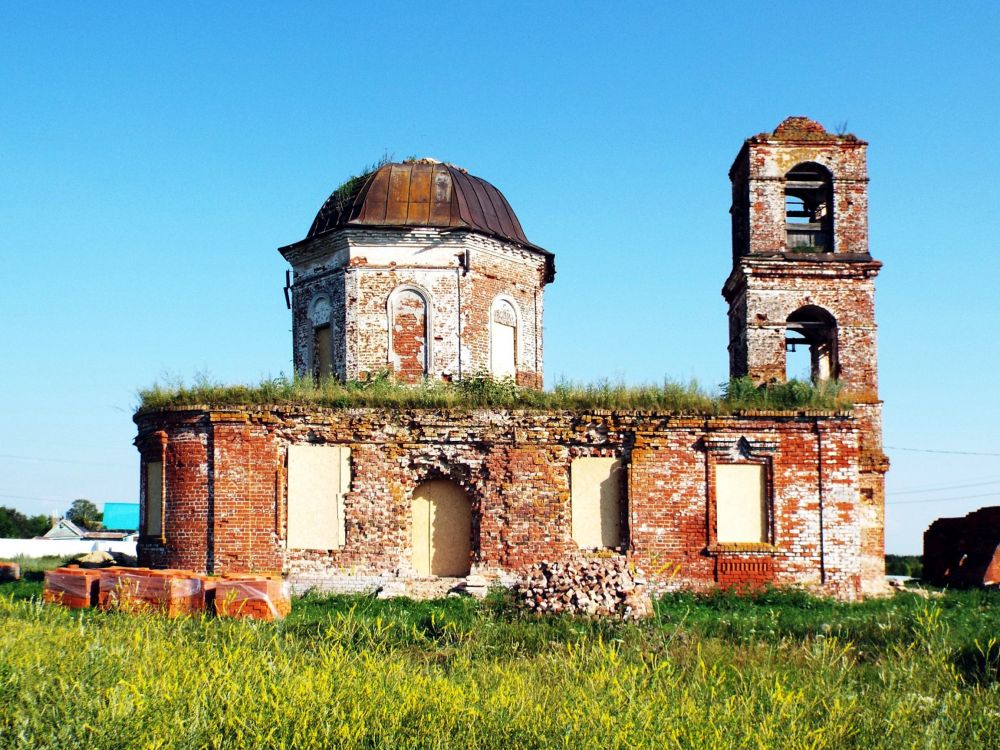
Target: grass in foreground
{"points": [[779, 670], [483, 391]]}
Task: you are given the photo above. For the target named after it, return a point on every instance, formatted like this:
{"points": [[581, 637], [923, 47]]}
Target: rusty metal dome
{"points": [[421, 193]]}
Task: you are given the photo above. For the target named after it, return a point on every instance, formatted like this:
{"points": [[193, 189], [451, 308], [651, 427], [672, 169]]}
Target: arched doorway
{"points": [[442, 529]]}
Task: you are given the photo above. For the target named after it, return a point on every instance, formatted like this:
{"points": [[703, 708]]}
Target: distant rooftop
{"points": [[121, 516]]}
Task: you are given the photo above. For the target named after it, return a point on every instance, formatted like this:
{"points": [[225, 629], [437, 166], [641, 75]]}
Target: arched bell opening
{"points": [[811, 345], [809, 209]]}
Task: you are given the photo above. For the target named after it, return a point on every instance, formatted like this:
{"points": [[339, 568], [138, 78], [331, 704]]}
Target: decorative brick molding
{"points": [[743, 572], [225, 504]]}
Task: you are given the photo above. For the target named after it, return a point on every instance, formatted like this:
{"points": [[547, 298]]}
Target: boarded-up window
{"points": [[408, 351], [596, 498], [741, 512], [318, 478], [323, 348], [320, 311], [503, 341], [154, 498]]}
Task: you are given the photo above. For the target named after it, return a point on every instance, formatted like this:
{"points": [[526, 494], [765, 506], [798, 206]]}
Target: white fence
{"points": [[11, 548]]}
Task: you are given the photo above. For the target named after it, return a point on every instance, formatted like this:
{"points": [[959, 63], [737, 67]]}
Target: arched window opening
{"points": [[322, 338], [503, 340], [323, 352], [809, 209], [811, 330], [409, 353]]}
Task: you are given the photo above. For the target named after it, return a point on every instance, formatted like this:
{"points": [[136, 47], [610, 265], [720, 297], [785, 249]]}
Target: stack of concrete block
{"points": [[10, 571], [76, 588], [258, 597]]}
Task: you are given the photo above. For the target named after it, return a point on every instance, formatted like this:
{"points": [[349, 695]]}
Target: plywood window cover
{"points": [[504, 313], [607, 530], [318, 477], [153, 480], [767, 546], [323, 345]]}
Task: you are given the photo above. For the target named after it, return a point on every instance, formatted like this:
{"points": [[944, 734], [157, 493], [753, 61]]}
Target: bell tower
{"points": [[801, 293]]}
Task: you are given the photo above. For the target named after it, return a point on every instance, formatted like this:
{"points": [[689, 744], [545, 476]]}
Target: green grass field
{"points": [[779, 670]]}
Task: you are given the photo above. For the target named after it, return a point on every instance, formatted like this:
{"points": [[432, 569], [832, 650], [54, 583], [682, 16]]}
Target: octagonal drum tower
{"points": [[420, 269]]}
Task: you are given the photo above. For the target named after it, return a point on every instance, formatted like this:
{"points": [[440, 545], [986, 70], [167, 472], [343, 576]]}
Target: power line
{"points": [[934, 450], [62, 460], [53, 499], [940, 489], [39, 499], [942, 499]]}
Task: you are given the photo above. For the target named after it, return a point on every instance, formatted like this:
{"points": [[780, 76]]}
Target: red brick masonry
{"points": [[225, 491], [964, 551]]}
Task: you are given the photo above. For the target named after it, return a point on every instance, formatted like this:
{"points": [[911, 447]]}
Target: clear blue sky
{"points": [[153, 156]]}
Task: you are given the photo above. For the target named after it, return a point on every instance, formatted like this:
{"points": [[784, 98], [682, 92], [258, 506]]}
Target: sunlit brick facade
{"points": [[402, 276]]}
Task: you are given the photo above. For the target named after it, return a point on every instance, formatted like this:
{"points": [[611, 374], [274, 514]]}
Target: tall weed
{"points": [[777, 670]]}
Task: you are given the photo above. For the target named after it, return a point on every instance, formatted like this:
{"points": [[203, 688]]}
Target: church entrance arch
{"points": [[442, 529]]}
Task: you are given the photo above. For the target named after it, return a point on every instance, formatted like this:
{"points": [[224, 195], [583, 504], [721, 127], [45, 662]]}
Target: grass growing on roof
{"points": [[482, 391]]}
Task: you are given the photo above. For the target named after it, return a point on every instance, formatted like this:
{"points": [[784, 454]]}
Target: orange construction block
{"points": [[10, 571], [76, 588], [171, 592], [257, 597]]}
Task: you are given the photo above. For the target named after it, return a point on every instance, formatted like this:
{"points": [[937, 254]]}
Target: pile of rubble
{"points": [[599, 586]]}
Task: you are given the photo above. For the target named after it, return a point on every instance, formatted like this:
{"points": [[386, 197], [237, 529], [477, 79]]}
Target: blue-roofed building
{"points": [[121, 517]]}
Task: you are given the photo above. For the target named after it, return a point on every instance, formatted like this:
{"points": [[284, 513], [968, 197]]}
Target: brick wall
{"points": [[460, 275], [964, 551], [225, 500]]}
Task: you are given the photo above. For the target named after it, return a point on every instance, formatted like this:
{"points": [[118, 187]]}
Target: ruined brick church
{"points": [[425, 270]]}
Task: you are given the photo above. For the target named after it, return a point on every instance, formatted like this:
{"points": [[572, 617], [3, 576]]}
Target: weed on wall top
{"points": [[480, 391]]}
